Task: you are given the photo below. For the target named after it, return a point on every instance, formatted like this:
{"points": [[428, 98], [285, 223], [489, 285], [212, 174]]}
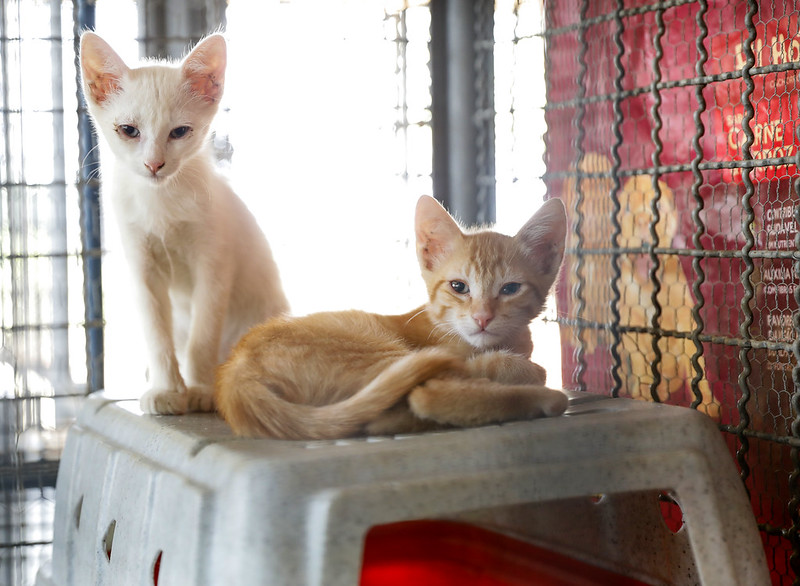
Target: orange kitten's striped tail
{"points": [[254, 409]]}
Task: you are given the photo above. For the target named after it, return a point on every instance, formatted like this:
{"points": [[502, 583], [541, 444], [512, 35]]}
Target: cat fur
{"points": [[202, 269], [460, 360]]}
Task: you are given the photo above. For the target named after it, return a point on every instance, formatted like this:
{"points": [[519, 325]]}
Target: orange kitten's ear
{"points": [[102, 68], [204, 68], [543, 237], [437, 233]]}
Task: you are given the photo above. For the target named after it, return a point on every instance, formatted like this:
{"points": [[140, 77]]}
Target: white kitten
{"points": [[203, 269]]}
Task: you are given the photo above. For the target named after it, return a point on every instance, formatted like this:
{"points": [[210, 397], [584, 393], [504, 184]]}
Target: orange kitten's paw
{"points": [[554, 403], [506, 367], [538, 375], [480, 402], [164, 402], [200, 398], [433, 401], [399, 420], [396, 420]]}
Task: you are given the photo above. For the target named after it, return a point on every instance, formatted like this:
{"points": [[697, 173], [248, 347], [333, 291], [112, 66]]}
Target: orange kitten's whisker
{"points": [[417, 314], [445, 331]]}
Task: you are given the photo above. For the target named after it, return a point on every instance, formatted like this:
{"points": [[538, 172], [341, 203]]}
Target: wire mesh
{"points": [[484, 114], [43, 367], [671, 136], [50, 257], [407, 26]]}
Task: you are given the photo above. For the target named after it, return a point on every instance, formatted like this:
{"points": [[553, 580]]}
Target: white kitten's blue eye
{"points": [[510, 288], [459, 287], [128, 130], [179, 132]]}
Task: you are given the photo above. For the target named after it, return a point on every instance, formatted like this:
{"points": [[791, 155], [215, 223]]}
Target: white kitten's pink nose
{"points": [[154, 166]]}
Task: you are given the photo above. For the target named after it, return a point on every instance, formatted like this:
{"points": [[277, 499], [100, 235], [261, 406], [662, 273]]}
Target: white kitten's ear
{"points": [[437, 233], [543, 237], [204, 68], [102, 68]]}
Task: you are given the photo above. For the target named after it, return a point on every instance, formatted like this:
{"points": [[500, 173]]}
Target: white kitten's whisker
{"points": [[94, 167], [86, 156], [93, 173]]}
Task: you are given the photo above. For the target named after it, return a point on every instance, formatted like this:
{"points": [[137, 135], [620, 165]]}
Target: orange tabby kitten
{"points": [[460, 360]]}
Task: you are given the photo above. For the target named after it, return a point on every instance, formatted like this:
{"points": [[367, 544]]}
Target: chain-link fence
{"points": [[671, 135]]}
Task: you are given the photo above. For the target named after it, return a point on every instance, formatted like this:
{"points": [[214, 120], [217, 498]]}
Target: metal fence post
{"points": [[463, 108]]}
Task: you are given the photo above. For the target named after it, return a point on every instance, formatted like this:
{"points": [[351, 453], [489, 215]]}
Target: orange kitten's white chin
{"points": [[482, 338]]}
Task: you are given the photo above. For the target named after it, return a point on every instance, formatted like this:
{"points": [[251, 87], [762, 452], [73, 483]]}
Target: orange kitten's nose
{"points": [[482, 319], [154, 166]]}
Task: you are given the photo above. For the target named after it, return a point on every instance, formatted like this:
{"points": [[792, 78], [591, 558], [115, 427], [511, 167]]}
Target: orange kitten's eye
{"points": [[128, 130], [179, 132], [510, 288], [459, 287]]}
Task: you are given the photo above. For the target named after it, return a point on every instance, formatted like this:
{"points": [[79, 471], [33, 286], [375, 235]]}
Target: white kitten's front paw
{"points": [[164, 402], [200, 398]]}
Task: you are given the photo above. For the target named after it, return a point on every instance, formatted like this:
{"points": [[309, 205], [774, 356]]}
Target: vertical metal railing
{"points": [[400, 39], [616, 184], [14, 341], [59, 366], [580, 132], [89, 187], [748, 215], [167, 29], [463, 108], [484, 111], [699, 204], [655, 260]]}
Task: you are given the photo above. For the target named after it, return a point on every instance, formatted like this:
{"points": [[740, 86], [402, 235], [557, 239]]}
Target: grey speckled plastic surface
{"points": [[214, 509]]}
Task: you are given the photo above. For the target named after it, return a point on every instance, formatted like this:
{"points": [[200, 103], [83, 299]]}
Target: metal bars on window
{"points": [[408, 27], [89, 188], [45, 323], [462, 49], [672, 139]]}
